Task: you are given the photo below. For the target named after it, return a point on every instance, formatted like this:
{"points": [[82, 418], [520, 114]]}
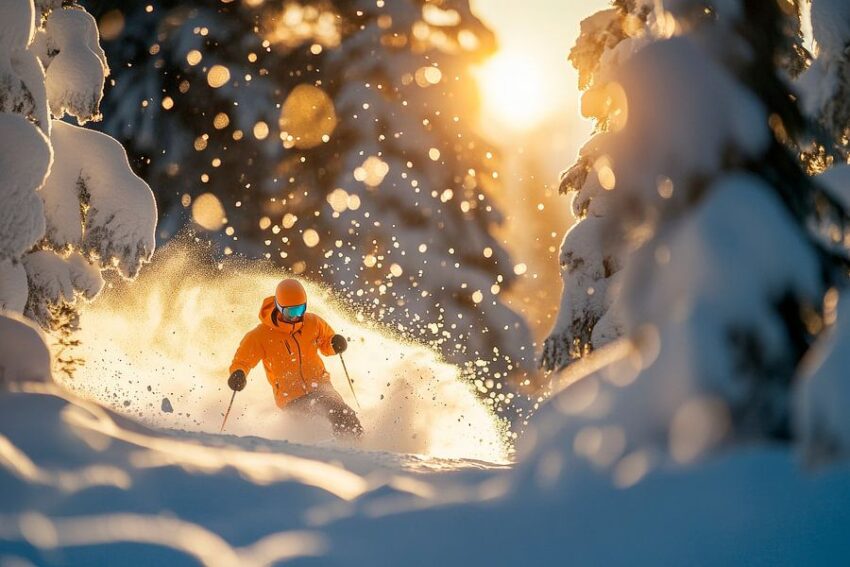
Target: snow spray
{"points": [[165, 341]]}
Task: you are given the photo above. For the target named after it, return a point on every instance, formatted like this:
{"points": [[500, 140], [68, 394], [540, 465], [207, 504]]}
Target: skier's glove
{"points": [[237, 381], [339, 343]]}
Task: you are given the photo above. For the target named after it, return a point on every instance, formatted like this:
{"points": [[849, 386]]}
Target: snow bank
{"points": [[81, 485], [110, 490], [748, 508], [24, 356], [173, 333]]}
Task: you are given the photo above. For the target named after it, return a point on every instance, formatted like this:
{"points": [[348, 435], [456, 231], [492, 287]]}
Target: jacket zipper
{"points": [[300, 366], [289, 350]]}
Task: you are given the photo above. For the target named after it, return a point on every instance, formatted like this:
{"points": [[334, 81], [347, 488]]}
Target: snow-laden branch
{"points": [[70, 206], [57, 280], [94, 201], [76, 65], [25, 158]]}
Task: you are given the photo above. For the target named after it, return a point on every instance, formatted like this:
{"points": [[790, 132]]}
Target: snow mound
{"points": [[24, 355], [80, 485], [103, 482], [750, 507]]}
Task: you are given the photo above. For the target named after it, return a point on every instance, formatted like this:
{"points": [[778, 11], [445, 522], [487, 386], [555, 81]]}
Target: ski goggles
{"points": [[292, 312]]}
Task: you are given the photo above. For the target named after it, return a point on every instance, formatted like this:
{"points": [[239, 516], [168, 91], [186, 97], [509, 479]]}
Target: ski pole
{"points": [[350, 383], [227, 413]]}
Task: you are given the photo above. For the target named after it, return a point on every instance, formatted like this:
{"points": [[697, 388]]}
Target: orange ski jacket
{"points": [[289, 351]]}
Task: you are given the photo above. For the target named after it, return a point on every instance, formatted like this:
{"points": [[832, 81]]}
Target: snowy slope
{"points": [[748, 508], [111, 474], [80, 485]]}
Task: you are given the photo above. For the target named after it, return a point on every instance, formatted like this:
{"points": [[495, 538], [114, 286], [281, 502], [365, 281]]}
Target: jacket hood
{"points": [[268, 317]]}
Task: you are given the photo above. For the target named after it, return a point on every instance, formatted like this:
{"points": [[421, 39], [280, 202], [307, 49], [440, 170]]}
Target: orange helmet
{"points": [[289, 293]]}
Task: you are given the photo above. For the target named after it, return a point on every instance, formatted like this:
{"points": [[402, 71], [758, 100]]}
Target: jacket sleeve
{"points": [[247, 355], [325, 335]]}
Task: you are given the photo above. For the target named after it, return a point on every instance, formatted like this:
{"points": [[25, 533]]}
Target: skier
{"points": [[288, 340]]}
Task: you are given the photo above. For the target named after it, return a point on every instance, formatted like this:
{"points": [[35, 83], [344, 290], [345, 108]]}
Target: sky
{"points": [[535, 37], [534, 42], [531, 112]]}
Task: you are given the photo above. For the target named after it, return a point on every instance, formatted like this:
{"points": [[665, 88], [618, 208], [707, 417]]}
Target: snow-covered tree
{"points": [[728, 247], [591, 257], [337, 146], [823, 387], [825, 86], [421, 246], [821, 425], [72, 207], [194, 101]]}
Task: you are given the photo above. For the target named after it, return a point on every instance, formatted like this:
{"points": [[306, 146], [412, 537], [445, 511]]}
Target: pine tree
{"points": [[590, 259], [825, 85], [729, 247], [425, 232], [93, 213], [346, 157], [822, 389]]}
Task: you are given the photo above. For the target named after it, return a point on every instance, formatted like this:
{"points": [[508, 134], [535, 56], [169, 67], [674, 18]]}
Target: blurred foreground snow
{"points": [[80, 485]]}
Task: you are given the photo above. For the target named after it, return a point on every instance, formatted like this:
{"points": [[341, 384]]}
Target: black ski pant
{"points": [[324, 400]]}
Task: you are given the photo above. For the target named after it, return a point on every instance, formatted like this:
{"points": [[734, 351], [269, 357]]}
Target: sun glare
{"points": [[512, 93]]}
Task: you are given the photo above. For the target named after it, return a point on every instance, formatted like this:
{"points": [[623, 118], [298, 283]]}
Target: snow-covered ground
{"points": [[81, 485], [97, 470]]}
